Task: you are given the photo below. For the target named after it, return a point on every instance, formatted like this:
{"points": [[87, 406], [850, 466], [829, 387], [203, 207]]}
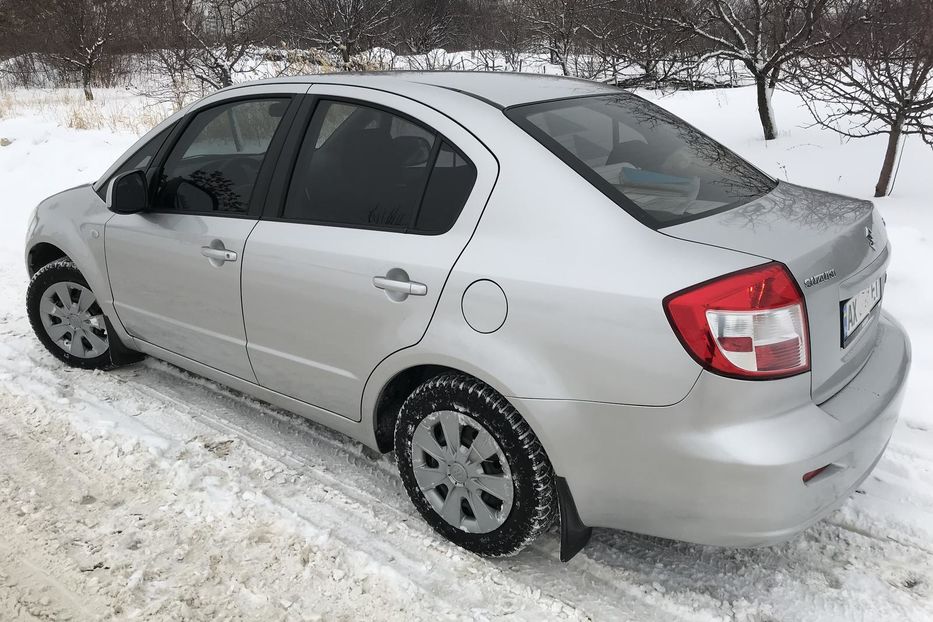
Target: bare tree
{"points": [[6, 26], [763, 35], [498, 29], [13, 37], [157, 27], [632, 34], [559, 26], [347, 26], [425, 25], [219, 34], [877, 79], [82, 29]]}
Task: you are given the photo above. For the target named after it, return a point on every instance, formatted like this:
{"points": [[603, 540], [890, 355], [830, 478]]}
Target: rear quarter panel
{"points": [[584, 283]]}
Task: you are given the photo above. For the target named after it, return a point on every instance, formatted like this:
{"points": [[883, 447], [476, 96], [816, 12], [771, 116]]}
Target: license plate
{"points": [[857, 308]]}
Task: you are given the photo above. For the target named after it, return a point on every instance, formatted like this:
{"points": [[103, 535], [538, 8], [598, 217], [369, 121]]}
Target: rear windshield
{"points": [[657, 167]]}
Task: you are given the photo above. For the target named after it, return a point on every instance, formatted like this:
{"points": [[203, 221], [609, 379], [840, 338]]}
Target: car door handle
{"points": [[218, 254], [410, 288]]}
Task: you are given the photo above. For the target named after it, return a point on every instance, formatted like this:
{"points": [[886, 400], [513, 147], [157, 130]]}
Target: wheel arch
{"points": [[394, 380], [87, 256], [42, 254], [393, 394]]}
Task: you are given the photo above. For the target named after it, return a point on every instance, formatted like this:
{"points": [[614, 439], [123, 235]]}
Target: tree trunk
{"points": [[651, 73], [773, 78], [86, 82], [890, 156], [765, 111]]}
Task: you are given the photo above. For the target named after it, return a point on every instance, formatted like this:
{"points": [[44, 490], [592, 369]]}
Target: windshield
{"points": [[657, 167]]}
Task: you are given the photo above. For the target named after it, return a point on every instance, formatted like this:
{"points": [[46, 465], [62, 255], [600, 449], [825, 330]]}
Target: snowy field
{"points": [[148, 493]]}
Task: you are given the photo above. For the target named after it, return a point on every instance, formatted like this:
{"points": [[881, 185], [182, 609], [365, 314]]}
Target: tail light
{"points": [[748, 324], [811, 474]]}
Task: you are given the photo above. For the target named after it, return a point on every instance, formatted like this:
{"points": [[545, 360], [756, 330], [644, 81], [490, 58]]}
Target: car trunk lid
{"points": [[834, 246]]}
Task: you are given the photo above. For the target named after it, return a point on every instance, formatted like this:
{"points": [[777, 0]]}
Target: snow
{"points": [[149, 493]]}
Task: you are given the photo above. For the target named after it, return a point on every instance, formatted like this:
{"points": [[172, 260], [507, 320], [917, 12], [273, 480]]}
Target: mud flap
{"points": [[573, 533], [119, 353]]}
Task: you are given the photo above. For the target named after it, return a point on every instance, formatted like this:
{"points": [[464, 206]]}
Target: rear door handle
{"points": [[409, 288], [218, 254]]}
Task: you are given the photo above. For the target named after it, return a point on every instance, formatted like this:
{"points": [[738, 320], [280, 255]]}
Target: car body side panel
{"points": [[73, 221], [168, 293], [339, 423], [538, 210], [315, 322], [584, 283]]}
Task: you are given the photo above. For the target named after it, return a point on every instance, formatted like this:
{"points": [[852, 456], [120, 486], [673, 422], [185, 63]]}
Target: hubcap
{"points": [[462, 472], [73, 320]]}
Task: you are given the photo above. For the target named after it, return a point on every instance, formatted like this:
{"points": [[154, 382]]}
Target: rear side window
{"points": [[365, 167], [659, 168], [215, 163], [449, 187]]}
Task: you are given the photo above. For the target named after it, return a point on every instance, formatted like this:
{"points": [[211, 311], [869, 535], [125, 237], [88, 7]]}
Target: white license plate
{"points": [[859, 307]]}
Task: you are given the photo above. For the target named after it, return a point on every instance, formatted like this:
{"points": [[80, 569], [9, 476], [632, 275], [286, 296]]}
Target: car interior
{"points": [[366, 171]]}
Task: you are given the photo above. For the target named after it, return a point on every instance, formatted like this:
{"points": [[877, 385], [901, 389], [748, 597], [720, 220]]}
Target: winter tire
{"points": [[472, 466], [69, 322]]}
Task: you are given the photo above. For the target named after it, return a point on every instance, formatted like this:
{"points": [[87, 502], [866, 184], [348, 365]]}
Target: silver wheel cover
{"points": [[73, 320], [462, 472]]}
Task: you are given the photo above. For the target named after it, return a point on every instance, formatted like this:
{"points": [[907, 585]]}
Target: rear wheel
{"points": [[67, 318], [472, 466]]}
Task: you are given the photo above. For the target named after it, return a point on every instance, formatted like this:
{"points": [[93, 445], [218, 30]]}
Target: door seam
{"points": [[242, 263]]}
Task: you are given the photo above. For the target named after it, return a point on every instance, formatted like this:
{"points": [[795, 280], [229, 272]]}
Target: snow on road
{"points": [[149, 493]]}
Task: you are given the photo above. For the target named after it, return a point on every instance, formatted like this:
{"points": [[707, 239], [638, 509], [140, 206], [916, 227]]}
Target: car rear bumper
{"points": [[725, 466]]}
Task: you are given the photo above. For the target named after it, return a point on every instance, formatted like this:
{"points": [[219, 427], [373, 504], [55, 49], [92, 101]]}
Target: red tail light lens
{"points": [[748, 324], [811, 474]]}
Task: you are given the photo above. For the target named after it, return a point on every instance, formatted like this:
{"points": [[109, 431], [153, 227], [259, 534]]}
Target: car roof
{"points": [[498, 88]]}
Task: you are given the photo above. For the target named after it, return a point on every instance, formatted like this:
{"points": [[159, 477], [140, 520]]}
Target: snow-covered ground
{"points": [[148, 493]]}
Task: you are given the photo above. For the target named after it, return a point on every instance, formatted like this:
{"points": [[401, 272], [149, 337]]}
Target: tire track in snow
{"points": [[30, 561], [686, 570], [655, 578], [638, 604], [178, 397], [85, 530]]}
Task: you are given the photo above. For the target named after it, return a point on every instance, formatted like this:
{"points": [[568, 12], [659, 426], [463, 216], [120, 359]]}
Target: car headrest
{"points": [[411, 150]]}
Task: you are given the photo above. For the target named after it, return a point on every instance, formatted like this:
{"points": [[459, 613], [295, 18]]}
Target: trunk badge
{"points": [[816, 279], [871, 240]]}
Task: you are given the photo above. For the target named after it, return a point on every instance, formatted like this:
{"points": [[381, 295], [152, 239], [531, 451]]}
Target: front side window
{"points": [[139, 160], [365, 167], [143, 158], [659, 168], [215, 163]]}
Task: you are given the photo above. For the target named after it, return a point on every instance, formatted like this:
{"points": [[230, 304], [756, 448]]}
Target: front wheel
{"points": [[472, 466], [67, 319]]}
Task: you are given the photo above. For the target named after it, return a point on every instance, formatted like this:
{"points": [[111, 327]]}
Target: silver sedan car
{"points": [[552, 299]]}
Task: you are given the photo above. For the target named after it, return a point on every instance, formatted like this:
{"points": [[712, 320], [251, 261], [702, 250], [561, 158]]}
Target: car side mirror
{"points": [[128, 193]]}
